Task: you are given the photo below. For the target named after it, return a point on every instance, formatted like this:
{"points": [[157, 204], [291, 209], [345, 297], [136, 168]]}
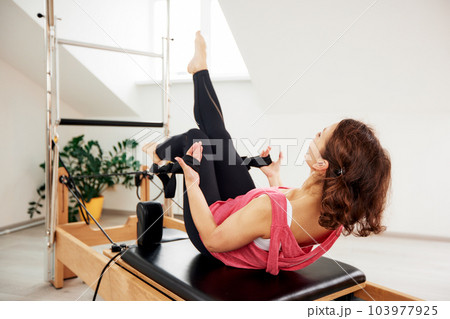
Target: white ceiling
{"points": [[345, 56]]}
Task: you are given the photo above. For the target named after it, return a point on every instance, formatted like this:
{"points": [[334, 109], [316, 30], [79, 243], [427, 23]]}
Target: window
{"points": [[186, 17]]}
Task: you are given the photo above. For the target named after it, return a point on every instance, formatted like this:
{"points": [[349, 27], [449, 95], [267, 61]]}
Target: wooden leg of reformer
{"points": [[61, 271], [145, 186], [168, 207]]}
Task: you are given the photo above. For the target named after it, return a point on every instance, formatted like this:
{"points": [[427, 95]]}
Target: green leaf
{"points": [[87, 158]]}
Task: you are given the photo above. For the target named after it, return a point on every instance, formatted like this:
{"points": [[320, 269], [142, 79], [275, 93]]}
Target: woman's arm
{"points": [[201, 214], [202, 217], [274, 180], [241, 228], [272, 171]]}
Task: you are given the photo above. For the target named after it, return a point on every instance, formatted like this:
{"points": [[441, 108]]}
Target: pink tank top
{"points": [[290, 257]]}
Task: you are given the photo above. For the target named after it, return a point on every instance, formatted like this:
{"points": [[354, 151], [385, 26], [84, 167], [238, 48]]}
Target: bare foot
{"points": [[150, 149], [198, 62]]}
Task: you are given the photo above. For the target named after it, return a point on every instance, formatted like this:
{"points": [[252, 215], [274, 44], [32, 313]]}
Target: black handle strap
{"points": [[173, 168], [256, 161]]}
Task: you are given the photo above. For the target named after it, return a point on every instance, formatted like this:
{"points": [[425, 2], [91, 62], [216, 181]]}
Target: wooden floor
{"points": [[417, 267]]}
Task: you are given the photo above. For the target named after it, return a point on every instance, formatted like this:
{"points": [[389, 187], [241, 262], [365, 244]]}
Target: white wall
{"points": [[22, 125]]}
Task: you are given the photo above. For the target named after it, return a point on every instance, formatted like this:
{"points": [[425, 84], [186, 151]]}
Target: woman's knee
{"points": [[195, 133]]}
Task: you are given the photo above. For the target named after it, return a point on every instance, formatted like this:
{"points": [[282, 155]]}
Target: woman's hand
{"points": [[191, 177], [273, 169]]}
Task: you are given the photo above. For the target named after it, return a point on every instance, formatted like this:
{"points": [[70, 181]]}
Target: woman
{"points": [[274, 228]]}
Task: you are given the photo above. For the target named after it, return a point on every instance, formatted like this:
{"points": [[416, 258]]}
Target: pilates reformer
{"points": [[172, 270]]}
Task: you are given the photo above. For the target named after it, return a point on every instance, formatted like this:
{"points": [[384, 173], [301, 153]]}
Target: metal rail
{"points": [[109, 123], [108, 48]]}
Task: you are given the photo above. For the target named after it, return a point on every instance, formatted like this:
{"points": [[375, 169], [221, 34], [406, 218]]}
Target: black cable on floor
{"points": [[104, 269]]}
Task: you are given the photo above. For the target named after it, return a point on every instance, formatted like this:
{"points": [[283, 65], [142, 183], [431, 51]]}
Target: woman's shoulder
{"points": [[262, 201]]}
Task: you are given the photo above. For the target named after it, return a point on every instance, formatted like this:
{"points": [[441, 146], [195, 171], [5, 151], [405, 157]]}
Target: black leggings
{"points": [[221, 172]]}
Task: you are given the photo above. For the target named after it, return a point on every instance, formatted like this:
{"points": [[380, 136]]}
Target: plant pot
{"points": [[94, 206]]}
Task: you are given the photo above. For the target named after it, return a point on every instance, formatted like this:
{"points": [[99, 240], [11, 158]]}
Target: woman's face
{"points": [[317, 146]]}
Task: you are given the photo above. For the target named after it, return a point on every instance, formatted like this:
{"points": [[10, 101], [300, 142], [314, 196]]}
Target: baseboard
{"points": [[22, 225], [416, 236]]}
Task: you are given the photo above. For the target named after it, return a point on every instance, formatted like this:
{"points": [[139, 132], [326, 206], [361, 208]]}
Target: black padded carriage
{"points": [[180, 268]]}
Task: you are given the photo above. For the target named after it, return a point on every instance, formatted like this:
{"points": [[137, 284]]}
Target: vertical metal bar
{"points": [[56, 73], [54, 204], [166, 76], [163, 82], [54, 135], [50, 44], [167, 73]]}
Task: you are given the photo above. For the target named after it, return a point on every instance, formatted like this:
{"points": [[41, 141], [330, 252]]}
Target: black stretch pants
{"points": [[221, 172]]}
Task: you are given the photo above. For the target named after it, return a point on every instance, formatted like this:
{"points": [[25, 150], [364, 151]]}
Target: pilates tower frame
{"points": [[53, 119]]}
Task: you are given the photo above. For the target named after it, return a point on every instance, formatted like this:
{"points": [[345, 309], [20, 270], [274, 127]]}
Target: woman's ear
{"points": [[321, 165]]}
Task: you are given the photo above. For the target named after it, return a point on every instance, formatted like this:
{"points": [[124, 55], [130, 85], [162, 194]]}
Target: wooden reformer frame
{"points": [[74, 256]]}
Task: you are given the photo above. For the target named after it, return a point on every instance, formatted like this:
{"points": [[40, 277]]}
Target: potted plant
{"points": [[86, 158]]}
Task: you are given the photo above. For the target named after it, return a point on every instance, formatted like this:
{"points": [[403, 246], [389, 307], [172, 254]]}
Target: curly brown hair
{"points": [[357, 180]]}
